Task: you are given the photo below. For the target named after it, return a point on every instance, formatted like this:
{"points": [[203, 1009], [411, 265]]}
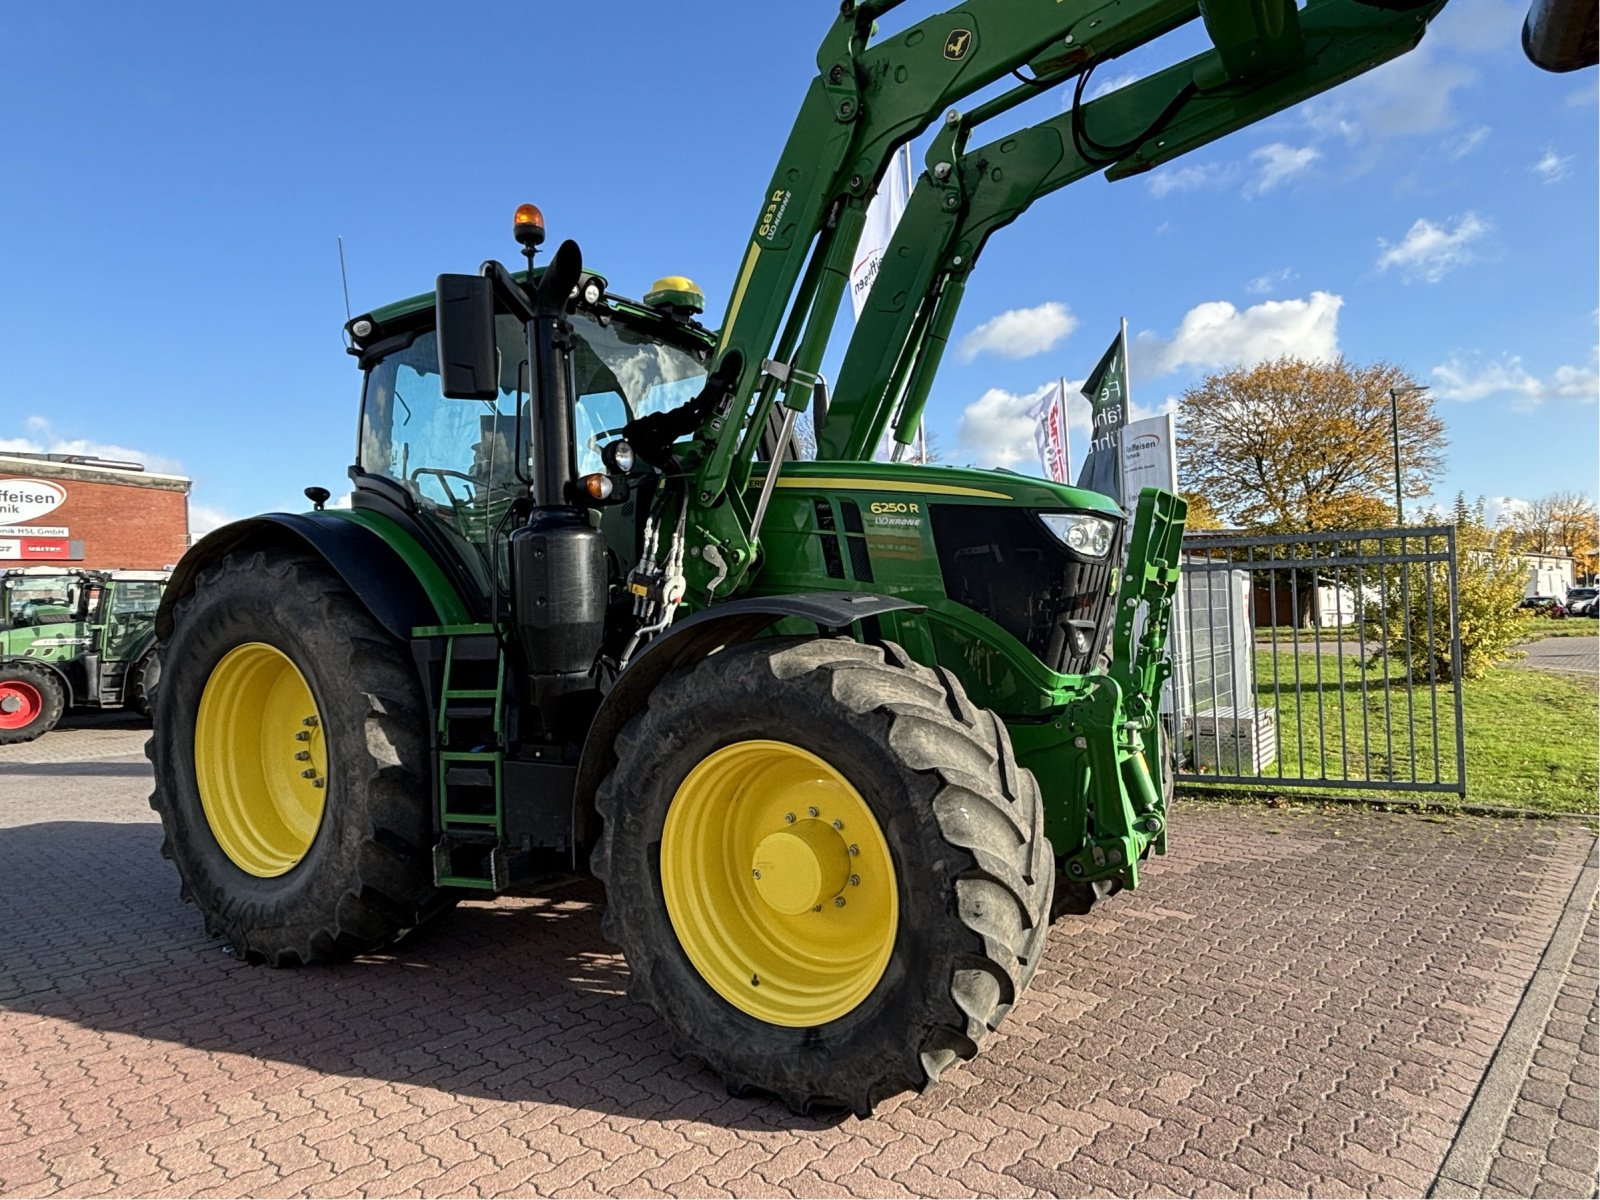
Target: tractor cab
{"points": [[468, 471]]}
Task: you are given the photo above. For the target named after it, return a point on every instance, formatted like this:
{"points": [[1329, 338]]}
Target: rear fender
{"points": [[687, 642], [368, 557]]}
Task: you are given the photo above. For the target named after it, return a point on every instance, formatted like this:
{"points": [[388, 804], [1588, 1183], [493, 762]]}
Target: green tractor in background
{"points": [[838, 736], [72, 638]]}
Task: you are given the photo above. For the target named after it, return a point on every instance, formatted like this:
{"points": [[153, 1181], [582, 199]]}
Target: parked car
{"points": [[1544, 606], [1583, 602]]}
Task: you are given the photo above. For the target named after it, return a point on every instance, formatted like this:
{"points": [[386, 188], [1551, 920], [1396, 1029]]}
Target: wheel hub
{"points": [[798, 868]]}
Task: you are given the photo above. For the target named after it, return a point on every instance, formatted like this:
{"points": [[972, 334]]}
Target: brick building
{"points": [[90, 512]]}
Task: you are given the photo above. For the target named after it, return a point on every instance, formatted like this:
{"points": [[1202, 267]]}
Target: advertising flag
{"points": [[1107, 390], [1050, 433], [883, 214]]}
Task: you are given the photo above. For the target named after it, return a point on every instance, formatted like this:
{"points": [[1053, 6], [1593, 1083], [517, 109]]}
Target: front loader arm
{"points": [[864, 103], [964, 198]]}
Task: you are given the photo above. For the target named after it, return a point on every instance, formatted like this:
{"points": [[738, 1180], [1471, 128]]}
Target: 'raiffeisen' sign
{"points": [[26, 499]]}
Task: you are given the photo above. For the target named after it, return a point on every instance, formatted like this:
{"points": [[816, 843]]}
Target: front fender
{"points": [[686, 642], [369, 557]]}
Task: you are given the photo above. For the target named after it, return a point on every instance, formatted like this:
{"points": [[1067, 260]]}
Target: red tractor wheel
{"points": [[31, 702]]}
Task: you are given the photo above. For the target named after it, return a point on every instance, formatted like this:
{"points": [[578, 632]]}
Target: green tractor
{"points": [[74, 639], [838, 736]]}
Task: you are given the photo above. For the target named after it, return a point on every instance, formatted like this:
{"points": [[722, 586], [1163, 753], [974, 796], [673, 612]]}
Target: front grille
{"points": [[1003, 563]]}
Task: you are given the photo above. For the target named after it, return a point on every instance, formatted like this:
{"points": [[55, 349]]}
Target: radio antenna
{"points": [[345, 280]]}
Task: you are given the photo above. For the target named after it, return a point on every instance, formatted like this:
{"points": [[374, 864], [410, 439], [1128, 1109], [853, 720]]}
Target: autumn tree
{"points": [[1295, 446], [1202, 516], [1560, 523]]}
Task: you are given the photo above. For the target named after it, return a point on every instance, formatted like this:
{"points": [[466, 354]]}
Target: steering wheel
{"points": [[445, 475]]}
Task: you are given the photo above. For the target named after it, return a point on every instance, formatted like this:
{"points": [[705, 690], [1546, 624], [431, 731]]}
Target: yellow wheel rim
{"points": [[260, 759], [779, 883]]}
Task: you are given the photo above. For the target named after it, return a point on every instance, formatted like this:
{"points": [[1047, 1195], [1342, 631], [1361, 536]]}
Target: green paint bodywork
{"points": [[447, 603]]}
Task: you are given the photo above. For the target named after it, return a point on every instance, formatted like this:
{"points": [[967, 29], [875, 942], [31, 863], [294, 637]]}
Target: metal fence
{"points": [[1323, 660]]}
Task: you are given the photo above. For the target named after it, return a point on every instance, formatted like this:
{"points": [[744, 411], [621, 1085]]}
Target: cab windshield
{"points": [[465, 461], [38, 599]]}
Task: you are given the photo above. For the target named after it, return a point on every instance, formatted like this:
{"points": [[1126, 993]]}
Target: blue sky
{"points": [[176, 176]]}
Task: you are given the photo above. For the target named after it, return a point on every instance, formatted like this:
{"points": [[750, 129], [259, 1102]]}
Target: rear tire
{"points": [[306, 876], [963, 828], [31, 702]]}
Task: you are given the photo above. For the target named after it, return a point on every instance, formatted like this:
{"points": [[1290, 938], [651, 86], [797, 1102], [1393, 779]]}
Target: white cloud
{"points": [[1429, 252], [1216, 334], [1408, 96], [1552, 167], [1166, 180], [1464, 144], [1106, 86], [1279, 163], [996, 430], [1020, 332], [1467, 382], [45, 440], [203, 518], [1265, 285], [1500, 508]]}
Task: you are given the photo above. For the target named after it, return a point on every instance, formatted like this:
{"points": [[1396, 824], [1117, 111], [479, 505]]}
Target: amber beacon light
{"points": [[528, 225]]}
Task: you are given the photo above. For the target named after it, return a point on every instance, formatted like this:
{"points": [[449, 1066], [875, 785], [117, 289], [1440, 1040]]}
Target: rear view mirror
{"points": [[464, 314]]}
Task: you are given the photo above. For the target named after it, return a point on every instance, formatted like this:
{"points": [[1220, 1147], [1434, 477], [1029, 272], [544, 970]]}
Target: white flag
{"points": [[883, 214], [1050, 433]]}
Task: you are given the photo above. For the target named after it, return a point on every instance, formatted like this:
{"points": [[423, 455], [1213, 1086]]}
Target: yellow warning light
{"points": [[528, 225], [599, 485]]}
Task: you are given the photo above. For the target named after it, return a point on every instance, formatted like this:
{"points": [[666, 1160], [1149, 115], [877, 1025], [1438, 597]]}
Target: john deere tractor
{"points": [[836, 735]]}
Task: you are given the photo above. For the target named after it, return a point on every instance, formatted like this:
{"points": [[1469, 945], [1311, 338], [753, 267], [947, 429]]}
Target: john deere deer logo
{"points": [[958, 43]]}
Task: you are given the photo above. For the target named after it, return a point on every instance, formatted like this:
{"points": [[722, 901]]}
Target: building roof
{"points": [[88, 469]]}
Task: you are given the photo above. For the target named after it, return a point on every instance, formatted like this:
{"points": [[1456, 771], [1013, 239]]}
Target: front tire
{"points": [[290, 752], [31, 702], [826, 869]]}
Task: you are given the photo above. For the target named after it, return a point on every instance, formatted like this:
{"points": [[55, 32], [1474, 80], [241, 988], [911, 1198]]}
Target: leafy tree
{"points": [[1560, 523], [1201, 515], [1489, 586], [1296, 446]]}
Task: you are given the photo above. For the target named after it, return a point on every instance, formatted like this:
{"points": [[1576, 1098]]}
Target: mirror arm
{"points": [[508, 290]]}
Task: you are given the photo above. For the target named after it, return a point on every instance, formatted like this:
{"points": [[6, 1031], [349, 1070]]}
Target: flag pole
{"points": [[1127, 400], [1066, 434]]}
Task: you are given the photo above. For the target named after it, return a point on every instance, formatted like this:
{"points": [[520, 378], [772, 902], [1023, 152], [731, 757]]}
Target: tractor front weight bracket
{"points": [[1124, 806]]}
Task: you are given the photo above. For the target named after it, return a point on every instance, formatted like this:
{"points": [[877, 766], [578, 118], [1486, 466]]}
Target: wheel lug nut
{"points": [[319, 782], [838, 901], [303, 735], [755, 874], [813, 812], [308, 773], [838, 824], [302, 756], [854, 850], [311, 721], [855, 881], [788, 818]]}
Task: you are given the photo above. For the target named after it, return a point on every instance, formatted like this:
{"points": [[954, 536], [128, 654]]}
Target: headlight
{"points": [[1089, 536]]}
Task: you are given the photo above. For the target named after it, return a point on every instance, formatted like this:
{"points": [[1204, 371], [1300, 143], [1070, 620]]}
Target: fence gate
{"points": [[1320, 660]]}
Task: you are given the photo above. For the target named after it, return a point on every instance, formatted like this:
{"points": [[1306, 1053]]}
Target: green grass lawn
{"points": [[1531, 736]]}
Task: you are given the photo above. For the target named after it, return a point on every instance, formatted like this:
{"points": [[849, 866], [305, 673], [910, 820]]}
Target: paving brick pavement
{"points": [[1294, 1004], [1552, 1138]]}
